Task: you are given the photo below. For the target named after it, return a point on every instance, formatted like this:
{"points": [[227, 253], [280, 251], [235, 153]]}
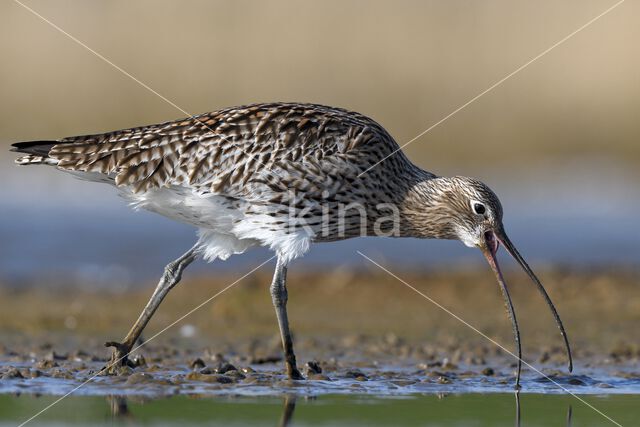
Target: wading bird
{"points": [[276, 175]]}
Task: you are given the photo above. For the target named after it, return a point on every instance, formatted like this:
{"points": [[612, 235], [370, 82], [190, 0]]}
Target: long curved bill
{"points": [[502, 237], [493, 241], [489, 250]]}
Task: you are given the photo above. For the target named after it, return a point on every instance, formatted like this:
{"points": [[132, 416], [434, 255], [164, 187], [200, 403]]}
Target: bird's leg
{"points": [[170, 278], [279, 297]]}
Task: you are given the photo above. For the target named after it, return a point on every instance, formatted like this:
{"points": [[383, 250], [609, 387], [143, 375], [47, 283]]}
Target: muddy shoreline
{"points": [[354, 333], [356, 369]]}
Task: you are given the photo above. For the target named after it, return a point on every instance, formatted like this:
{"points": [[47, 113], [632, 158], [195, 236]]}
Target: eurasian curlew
{"points": [[281, 175]]}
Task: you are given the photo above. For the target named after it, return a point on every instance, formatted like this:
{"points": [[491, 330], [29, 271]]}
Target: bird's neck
{"points": [[422, 211]]}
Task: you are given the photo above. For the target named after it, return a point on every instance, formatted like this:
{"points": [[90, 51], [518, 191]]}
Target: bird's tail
{"points": [[37, 152]]}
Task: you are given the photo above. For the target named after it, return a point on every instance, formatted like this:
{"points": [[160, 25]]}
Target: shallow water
{"points": [[267, 380], [375, 395], [426, 410]]}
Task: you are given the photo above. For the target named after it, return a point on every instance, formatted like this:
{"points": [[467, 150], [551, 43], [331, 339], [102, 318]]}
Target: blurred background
{"points": [[559, 141]]}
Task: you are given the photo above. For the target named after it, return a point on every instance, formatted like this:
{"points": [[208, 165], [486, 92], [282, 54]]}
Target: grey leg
{"points": [[279, 296], [170, 278]]}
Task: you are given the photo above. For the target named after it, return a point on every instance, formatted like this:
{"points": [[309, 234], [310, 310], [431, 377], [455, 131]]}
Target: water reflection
{"points": [[120, 411], [519, 412], [119, 408], [288, 406]]}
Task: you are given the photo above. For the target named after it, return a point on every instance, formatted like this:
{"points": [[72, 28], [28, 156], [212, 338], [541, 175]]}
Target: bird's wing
{"points": [[223, 151]]}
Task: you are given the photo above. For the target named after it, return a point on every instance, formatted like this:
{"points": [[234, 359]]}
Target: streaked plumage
{"points": [[254, 175], [234, 173]]}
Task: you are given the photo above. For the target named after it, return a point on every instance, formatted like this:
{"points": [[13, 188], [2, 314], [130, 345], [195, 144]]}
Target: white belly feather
{"points": [[224, 226]]}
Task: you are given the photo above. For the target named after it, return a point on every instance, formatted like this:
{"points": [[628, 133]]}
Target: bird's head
{"points": [[468, 210], [457, 208]]}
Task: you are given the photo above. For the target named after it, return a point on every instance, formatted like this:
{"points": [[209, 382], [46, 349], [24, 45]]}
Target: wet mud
{"points": [[166, 371], [354, 333]]}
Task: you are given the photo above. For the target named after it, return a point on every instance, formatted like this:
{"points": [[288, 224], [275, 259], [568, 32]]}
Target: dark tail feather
{"points": [[39, 148]]}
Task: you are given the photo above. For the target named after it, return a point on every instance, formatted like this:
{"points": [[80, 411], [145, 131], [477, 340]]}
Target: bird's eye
{"points": [[479, 208]]}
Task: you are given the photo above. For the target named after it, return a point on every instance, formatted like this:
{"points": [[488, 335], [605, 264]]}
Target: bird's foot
{"points": [[119, 359], [293, 373]]}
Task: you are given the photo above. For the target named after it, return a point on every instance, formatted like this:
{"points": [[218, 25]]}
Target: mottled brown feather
{"points": [[223, 151]]}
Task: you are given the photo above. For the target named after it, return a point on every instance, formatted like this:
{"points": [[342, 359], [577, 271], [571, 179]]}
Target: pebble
{"points": [[576, 381], [123, 371], [46, 364], [236, 374], [312, 367], [61, 373], [443, 380], [488, 372], [197, 364], [35, 373], [139, 360], [225, 367], [356, 375], [318, 377], [209, 378], [604, 385], [12, 373], [139, 377]]}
